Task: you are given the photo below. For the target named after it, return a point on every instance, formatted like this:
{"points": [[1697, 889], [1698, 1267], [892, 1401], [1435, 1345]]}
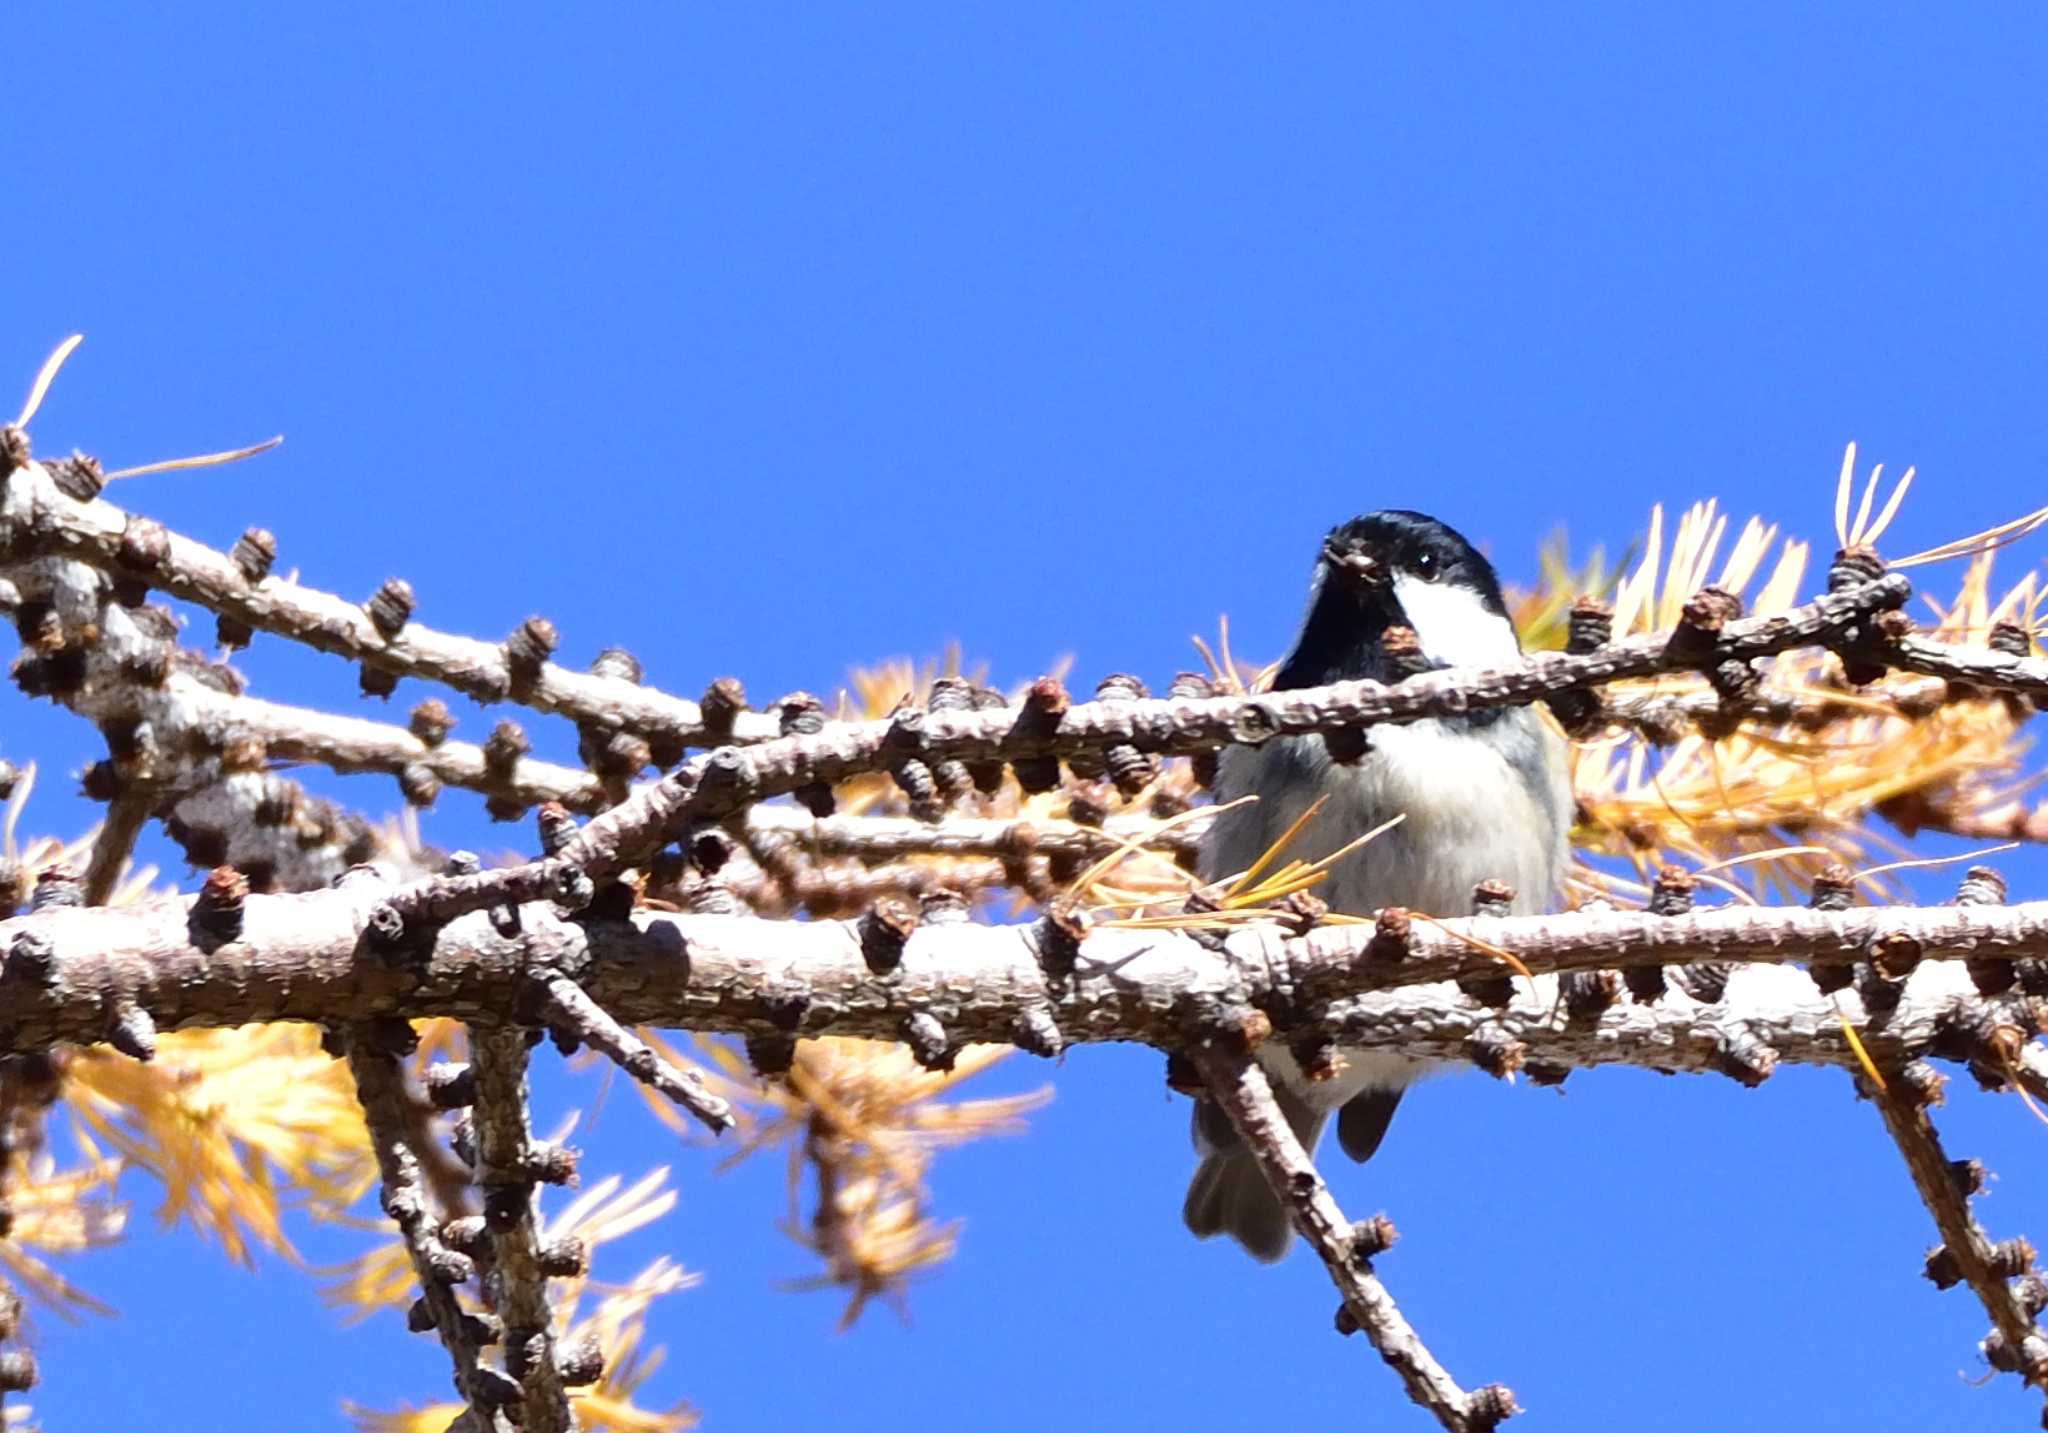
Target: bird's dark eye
{"points": [[1427, 567]]}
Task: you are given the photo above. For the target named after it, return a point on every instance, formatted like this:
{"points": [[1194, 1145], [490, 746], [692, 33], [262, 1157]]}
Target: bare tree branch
{"points": [[356, 744], [266, 824], [505, 1169], [1663, 716], [1240, 1088], [875, 839], [45, 521], [559, 939], [570, 1010], [338, 955], [127, 814], [2007, 820], [713, 786], [380, 1084], [1967, 1253], [181, 742], [1981, 667]]}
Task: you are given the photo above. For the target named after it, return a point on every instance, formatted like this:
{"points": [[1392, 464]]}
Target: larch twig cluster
{"points": [[661, 907]]}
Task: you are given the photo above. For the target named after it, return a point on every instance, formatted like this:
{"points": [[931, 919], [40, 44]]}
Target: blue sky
{"points": [[767, 341]]}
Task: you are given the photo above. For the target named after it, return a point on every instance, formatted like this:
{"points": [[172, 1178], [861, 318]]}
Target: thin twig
{"points": [[91, 532], [570, 1009], [126, 815], [380, 1085], [713, 786], [1963, 1239], [1994, 820], [357, 744], [1979, 666], [504, 1169], [1240, 1087]]}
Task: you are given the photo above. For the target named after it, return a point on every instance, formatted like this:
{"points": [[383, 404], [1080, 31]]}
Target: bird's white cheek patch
{"points": [[1454, 625]]}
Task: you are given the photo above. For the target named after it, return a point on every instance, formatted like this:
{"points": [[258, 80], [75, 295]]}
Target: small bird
{"points": [[1483, 795]]}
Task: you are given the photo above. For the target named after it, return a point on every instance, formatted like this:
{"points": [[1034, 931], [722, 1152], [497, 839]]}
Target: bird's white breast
{"points": [[1468, 815]]}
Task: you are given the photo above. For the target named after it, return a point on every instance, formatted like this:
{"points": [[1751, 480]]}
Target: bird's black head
{"points": [[1398, 569]]}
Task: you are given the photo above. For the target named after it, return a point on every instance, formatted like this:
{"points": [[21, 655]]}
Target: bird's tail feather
{"points": [[1229, 1194]]}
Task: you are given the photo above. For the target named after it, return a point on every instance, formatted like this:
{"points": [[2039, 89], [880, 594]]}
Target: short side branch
{"points": [[126, 816], [1241, 1089], [1966, 1248], [570, 1009]]}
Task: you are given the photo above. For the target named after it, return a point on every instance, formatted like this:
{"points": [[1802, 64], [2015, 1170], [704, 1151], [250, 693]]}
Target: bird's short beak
{"points": [[1362, 567]]}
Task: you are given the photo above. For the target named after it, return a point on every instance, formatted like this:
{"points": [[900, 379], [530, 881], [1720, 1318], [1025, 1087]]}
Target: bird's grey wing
{"points": [[1237, 837], [1537, 752]]}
